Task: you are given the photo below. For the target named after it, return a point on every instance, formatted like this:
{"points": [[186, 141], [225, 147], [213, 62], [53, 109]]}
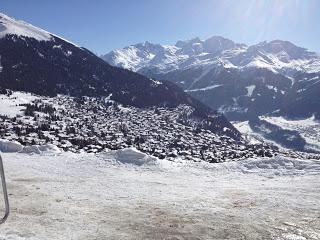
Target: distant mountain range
{"points": [[37, 61], [241, 81]]}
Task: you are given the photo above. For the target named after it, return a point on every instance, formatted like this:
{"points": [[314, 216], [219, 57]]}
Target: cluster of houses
{"points": [[94, 124]]}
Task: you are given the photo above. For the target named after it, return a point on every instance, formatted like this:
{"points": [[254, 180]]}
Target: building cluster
{"points": [[94, 124]]}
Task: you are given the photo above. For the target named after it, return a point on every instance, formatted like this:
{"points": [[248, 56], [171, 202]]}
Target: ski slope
{"points": [[129, 195]]}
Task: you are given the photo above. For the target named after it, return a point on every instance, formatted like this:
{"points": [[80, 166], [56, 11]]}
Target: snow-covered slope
{"points": [[13, 105], [278, 73], [96, 196], [19, 28], [33, 60], [301, 134]]}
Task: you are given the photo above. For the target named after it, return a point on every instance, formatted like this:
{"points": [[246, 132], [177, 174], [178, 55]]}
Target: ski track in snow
{"points": [[87, 196]]}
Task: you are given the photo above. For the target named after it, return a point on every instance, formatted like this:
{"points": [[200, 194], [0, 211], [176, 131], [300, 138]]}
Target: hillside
{"points": [[33, 60]]}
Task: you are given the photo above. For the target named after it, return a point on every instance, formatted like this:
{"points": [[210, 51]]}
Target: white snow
{"points": [[251, 136], [133, 156], [250, 90], [11, 26], [272, 88], [204, 89], [22, 29], [87, 196], [10, 105], [259, 62], [0, 65], [155, 82], [43, 149], [10, 146], [167, 58], [242, 127], [308, 128], [13, 146]]}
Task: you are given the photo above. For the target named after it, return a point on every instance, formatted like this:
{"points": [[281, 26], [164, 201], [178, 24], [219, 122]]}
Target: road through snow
{"points": [[87, 196]]}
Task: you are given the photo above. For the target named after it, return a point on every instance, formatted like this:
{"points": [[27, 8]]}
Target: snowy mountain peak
{"points": [[11, 26], [181, 43], [165, 58], [214, 44], [281, 48], [218, 44], [277, 56], [236, 79]]}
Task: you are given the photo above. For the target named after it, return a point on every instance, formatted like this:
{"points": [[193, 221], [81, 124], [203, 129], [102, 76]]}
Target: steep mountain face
{"points": [[36, 61], [241, 81]]}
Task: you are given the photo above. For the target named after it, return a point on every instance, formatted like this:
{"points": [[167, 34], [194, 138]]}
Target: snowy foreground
{"points": [[127, 195]]}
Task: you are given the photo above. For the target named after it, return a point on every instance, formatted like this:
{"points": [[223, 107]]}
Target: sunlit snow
{"points": [[127, 195], [11, 26]]}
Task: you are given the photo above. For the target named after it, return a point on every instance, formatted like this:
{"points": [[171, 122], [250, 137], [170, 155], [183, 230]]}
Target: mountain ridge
{"points": [[212, 45], [219, 72], [39, 62]]}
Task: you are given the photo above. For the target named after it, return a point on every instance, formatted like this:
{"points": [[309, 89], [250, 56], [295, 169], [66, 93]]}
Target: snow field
{"points": [[11, 26], [126, 195], [308, 128], [11, 105]]}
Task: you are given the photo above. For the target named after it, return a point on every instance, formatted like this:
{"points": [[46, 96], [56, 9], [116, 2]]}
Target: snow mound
{"points": [[7, 146], [10, 146], [11, 26], [31, 149], [134, 157], [43, 149], [49, 148]]}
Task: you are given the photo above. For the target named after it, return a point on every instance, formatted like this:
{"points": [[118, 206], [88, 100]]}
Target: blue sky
{"points": [[103, 25]]}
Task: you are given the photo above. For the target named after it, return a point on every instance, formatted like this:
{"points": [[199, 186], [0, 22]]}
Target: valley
{"points": [[201, 139]]}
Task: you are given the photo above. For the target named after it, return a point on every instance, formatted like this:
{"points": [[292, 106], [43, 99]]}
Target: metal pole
{"points": [[5, 193]]}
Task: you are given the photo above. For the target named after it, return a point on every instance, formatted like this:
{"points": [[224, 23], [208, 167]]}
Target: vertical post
{"points": [[5, 193]]}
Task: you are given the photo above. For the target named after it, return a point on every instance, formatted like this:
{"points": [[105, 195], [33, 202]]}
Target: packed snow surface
{"points": [[126, 195], [11, 26]]}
